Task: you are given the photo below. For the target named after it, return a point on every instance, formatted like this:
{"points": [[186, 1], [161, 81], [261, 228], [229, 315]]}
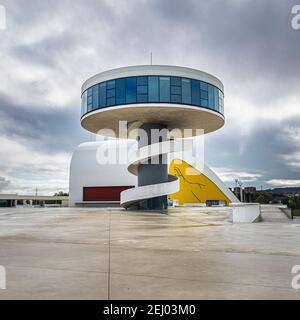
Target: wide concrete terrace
{"points": [[191, 253]]}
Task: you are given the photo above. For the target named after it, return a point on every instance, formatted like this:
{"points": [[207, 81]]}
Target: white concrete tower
{"points": [[152, 98]]}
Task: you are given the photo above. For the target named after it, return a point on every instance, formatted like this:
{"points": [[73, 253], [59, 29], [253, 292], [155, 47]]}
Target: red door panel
{"points": [[103, 193]]}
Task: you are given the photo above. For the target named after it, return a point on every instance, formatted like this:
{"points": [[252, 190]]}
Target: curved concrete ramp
{"points": [[133, 196]]}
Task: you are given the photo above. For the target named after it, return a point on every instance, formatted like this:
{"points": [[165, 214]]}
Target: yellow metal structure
{"points": [[195, 187]]}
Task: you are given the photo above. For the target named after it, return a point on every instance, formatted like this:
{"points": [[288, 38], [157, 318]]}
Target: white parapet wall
{"points": [[245, 212]]}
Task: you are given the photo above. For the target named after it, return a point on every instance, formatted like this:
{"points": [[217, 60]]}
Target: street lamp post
{"points": [[241, 190]]}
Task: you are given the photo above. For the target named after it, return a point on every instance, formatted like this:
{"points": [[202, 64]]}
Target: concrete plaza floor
{"points": [[191, 253]]}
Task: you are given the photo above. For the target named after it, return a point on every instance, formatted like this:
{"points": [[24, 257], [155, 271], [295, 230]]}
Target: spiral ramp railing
{"points": [[133, 196]]}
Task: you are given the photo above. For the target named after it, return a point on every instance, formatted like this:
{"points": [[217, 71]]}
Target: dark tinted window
{"points": [[175, 90], [145, 89], [102, 94], [95, 97], [204, 103], [84, 103], [120, 91], [203, 85], [195, 92], [221, 101], [142, 89], [186, 91], [111, 101], [211, 96], [216, 99], [164, 89], [131, 90], [142, 98], [111, 84], [175, 98], [142, 81], [89, 99], [153, 89], [110, 93], [204, 94], [175, 81]]}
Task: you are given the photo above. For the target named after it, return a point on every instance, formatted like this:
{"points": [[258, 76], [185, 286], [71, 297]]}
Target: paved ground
{"points": [[63, 253], [271, 213]]}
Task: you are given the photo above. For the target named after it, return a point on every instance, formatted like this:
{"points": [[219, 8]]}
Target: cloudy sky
{"points": [[50, 47]]}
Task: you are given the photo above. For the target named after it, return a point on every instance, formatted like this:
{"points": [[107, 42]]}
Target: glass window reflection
{"points": [[186, 91], [153, 89], [120, 91], [164, 89], [195, 92], [102, 94], [156, 89], [131, 90]]}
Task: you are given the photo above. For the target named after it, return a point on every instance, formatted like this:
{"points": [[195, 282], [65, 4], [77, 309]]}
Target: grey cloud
{"points": [[248, 40], [261, 152], [44, 129], [47, 51], [249, 44], [3, 184]]}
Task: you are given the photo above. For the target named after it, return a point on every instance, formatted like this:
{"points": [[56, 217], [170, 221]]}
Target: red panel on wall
{"points": [[103, 193]]}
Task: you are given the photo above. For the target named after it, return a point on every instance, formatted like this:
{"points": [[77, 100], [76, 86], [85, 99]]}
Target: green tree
{"points": [[260, 199], [285, 201], [61, 193]]}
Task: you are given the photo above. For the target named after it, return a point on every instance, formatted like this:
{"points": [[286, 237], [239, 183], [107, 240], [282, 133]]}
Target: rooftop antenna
{"points": [[151, 58], [36, 191]]}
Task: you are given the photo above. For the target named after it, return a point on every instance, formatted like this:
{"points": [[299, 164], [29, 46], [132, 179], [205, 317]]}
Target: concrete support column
{"points": [[155, 169]]}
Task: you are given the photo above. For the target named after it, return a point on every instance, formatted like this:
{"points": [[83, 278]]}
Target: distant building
{"points": [[249, 189], [237, 190], [14, 200]]}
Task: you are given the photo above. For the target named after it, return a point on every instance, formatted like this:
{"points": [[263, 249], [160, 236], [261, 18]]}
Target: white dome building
{"points": [[93, 182]]}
